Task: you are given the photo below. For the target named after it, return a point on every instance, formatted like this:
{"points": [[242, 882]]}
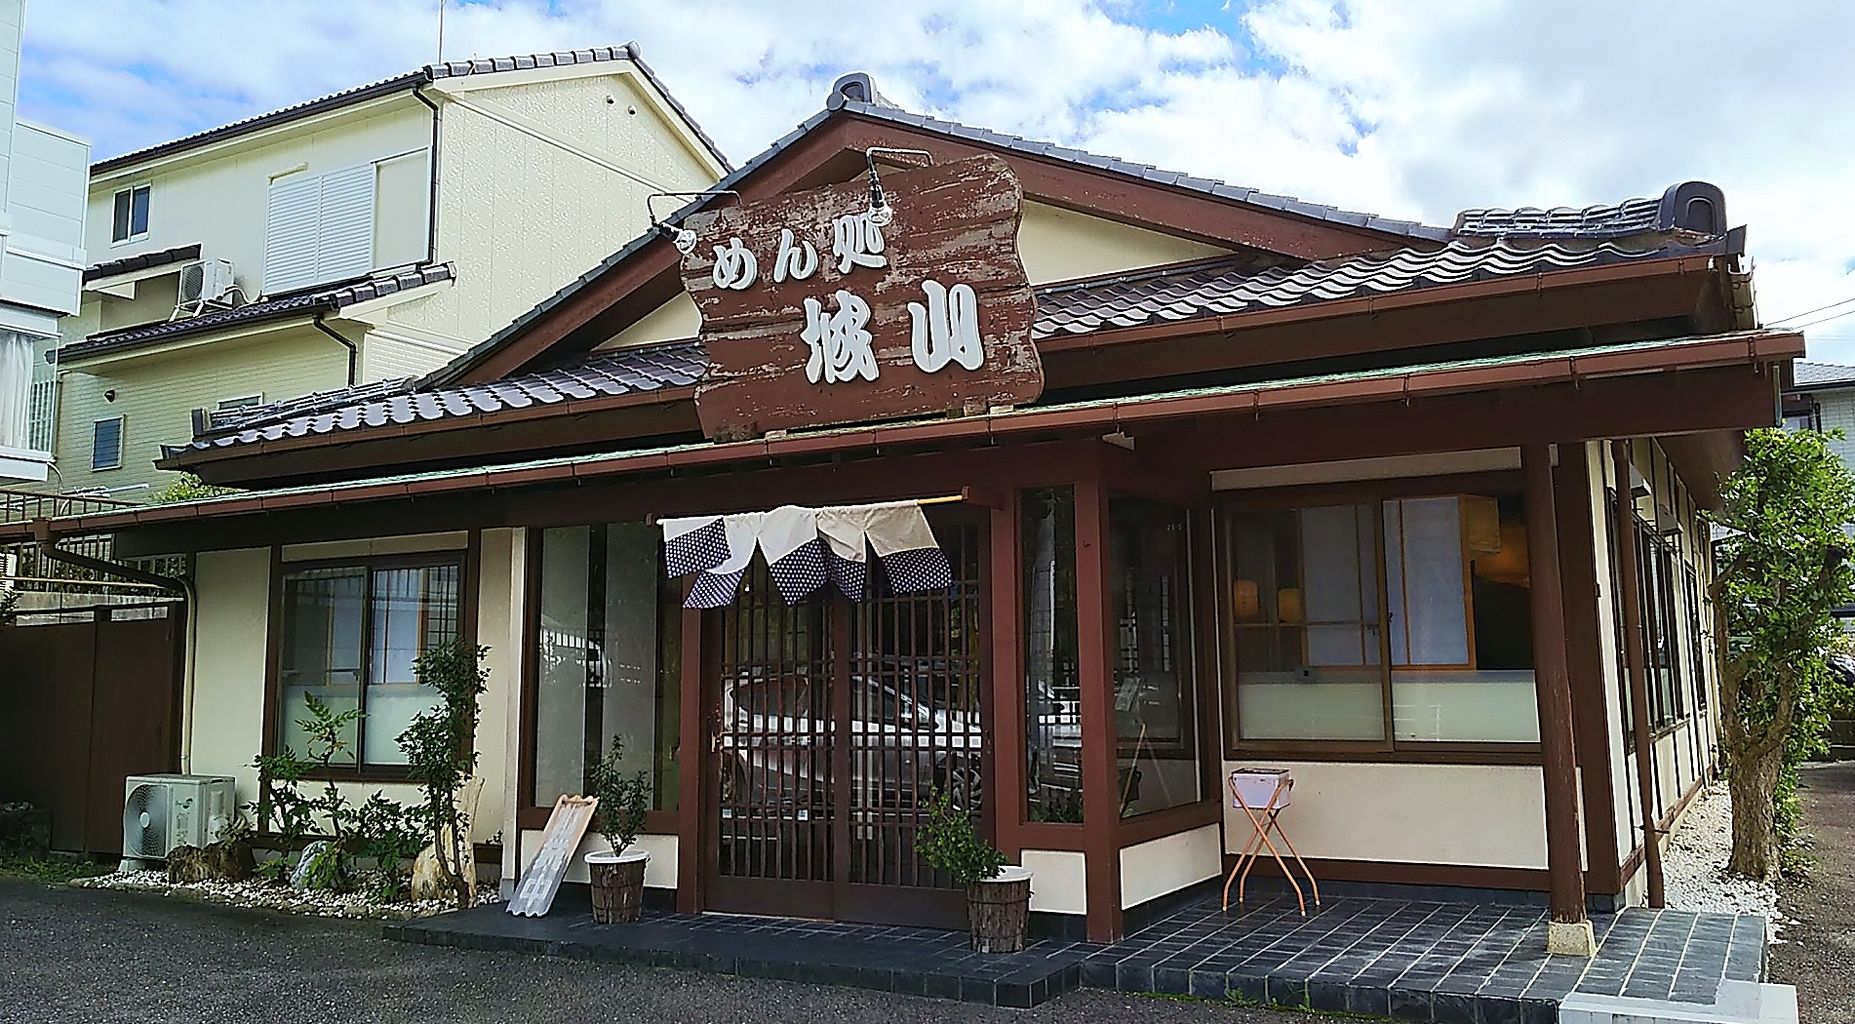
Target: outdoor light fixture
{"points": [[881, 213], [681, 237]]}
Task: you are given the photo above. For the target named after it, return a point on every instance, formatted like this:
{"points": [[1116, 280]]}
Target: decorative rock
{"points": [[428, 882], [231, 861], [187, 864], [317, 866]]}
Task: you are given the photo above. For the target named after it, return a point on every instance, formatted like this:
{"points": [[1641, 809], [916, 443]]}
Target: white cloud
{"points": [[1411, 108]]}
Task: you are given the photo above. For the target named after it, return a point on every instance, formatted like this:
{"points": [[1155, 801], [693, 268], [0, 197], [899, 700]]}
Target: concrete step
{"points": [[1737, 1002]]}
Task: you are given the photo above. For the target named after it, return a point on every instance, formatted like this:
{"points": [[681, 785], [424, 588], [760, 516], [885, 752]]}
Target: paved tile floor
{"points": [[1417, 960]]}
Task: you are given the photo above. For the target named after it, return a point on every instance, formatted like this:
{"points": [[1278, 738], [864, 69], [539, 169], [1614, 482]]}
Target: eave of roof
{"points": [[141, 261], [321, 300], [1396, 384], [403, 83]]}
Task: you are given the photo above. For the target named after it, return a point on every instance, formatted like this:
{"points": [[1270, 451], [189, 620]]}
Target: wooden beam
{"points": [[1584, 651], [1629, 580], [1101, 805], [1571, 928]]}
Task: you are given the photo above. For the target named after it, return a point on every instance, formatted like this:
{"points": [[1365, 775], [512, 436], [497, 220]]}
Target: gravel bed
{"points": [[265, 895], [1693, 867]]}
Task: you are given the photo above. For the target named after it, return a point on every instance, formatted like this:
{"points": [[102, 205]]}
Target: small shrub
{"points": [[188, 487], [948, 841], [389, 834], [624, 799], [441, 754]]}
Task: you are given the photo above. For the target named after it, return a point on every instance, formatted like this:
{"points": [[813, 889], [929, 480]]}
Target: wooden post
{"points": [[1101, 804], [1569, 930], [1629, 580]]}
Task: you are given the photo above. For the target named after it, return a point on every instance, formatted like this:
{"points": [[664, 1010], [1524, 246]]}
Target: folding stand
{"points": [[1265, 819]]}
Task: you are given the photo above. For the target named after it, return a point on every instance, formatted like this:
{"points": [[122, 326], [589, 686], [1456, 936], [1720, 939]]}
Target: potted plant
{"points": [[998, 895], [618, 872]]}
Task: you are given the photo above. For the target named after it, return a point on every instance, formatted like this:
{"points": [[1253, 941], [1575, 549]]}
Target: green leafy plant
{"points": [[188, 487], [441, 753], [283, 802], [389, 834], [948, 841], [624, 798], [1782, 568]]}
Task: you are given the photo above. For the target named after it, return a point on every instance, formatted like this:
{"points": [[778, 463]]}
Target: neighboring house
{"points": [[367, 235], [1822, 397], [41, 256], [1375, 500]]}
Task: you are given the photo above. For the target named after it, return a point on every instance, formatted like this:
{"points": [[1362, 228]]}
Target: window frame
{"points": [[465, 559], [122, 441], [1387, 749], [147, 188], [528, 814]]}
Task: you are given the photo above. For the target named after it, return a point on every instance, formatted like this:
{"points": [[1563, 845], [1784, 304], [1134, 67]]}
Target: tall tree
{"points": [[1781, 569]]}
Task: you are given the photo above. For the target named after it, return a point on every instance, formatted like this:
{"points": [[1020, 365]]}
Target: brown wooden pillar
{"points": [[694, 764], [1101, 806], [1629, 580], [1584, 650], [1004, 711], [1570, 928]]}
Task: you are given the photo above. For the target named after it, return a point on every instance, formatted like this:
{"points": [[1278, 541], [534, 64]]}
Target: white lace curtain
{"points": [[15, 390]]}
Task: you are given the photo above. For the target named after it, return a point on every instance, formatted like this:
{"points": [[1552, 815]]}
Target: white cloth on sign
{"points": [[693, 544], [844, 530], [794, 554], [716, 586]]}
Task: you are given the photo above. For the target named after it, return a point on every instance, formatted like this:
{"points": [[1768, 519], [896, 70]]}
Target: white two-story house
{"points": [[41, 258], [364, 236]]}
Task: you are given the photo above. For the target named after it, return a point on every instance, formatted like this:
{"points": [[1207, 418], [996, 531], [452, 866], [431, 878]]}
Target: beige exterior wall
{"points": [[1055, 244], [223, 720], [1484, 815], [659, 873], [156, 394], [1170, 863], [1059, 880], [520, 216]]}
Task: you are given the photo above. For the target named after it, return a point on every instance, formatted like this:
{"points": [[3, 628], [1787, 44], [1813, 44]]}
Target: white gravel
{"points": [[1694, 865], [266, 895]]}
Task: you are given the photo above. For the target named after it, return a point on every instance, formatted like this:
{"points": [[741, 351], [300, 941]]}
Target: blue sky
{"points": [[1411, 108]]}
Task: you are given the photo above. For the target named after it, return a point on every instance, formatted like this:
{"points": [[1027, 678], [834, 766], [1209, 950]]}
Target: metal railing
{"points": [[22, 506]]}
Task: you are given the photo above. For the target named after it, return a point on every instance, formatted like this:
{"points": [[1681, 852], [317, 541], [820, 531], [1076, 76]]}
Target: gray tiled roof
{"points": [[1689, 206], [1822, 375], [601, 375], [1204, 288], [327, 299], [142, 261], [398, 83], [883, 111], [1223, 287]]}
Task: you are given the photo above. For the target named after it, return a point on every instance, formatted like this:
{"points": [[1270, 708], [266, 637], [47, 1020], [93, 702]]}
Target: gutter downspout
{"points": [[1628, 580], [431, 160], [354, 352]]}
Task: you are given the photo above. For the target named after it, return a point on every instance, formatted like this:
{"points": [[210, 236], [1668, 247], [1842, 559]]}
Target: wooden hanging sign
{"points": [[817, 311], [566, 826]]}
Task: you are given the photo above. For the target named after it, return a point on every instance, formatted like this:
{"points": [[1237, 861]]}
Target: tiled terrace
{"points": [[1418, 960]]}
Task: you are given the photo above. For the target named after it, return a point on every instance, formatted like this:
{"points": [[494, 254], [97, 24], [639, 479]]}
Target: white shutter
{"points": [[346, 247], [319, 229], [294, 207]]}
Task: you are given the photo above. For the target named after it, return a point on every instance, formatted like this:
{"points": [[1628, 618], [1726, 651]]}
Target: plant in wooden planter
{"points": [[998, 895], [618, 872]]}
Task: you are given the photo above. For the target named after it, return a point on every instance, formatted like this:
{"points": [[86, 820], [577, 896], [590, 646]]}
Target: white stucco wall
{"points": [[223, 726], [1059, 880], [1170, 863], [659, 873]]}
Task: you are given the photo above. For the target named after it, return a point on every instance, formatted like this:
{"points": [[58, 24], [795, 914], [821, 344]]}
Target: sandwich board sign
{"points": [[821, 307], [566, 826]]}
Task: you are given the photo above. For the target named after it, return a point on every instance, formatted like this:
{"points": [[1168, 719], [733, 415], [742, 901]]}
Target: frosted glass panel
{"points": [[1481, 706], [1424, 576]]}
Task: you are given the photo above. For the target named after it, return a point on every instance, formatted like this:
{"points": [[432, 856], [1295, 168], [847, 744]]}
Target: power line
{"points": [[1807, 312], [1824, 319]]}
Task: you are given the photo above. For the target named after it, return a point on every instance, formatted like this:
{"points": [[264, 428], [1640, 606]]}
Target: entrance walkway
{"points": [[1417, 960]]}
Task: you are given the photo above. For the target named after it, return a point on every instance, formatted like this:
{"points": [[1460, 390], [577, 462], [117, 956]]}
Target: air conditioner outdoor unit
{"points": [[160, 812], [205, 284]]}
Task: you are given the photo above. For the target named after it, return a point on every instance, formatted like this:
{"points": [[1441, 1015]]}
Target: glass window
{"points": [[1052, 688], [130, 216], [1305, 623], [351, 638], [1318, 654], [607, 658], [1150, 598], [106, 443]]}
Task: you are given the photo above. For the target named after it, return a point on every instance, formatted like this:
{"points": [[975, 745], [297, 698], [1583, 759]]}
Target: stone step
{"points": [[1737, 1002]]}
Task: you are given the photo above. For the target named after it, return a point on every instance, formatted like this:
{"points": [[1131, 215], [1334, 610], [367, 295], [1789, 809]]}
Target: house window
{"points": [[351, 636], [130, 219], [1397, 623], [1661, 644], [1697, 654], [1802, 414], [106, 443], [607, 649], [1052, 685], [1150, 598], [319, 228]]}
